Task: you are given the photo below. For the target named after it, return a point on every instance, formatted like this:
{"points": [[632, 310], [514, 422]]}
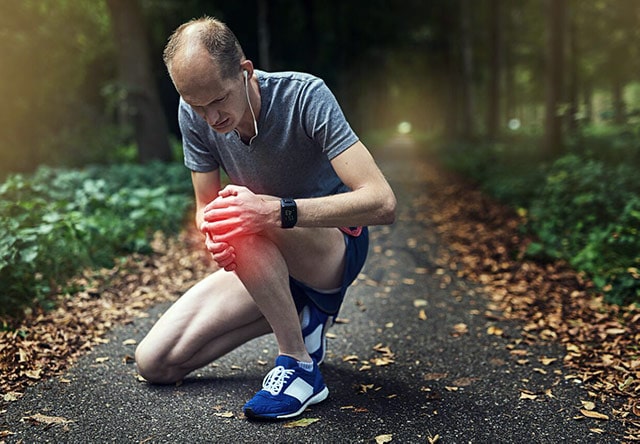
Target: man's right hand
{"points": [[221, 252]]}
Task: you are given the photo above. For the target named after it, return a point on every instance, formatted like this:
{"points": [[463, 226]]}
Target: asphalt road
{"points": [[441, 379]]}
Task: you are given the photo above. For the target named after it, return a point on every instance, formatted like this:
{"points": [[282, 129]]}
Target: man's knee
{"points": [[153, 368]]}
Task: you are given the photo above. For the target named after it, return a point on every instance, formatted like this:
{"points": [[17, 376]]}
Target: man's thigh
{"points": [[314, 256], [214, 307]]}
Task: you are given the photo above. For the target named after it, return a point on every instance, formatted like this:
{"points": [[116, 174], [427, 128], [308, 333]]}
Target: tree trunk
{"points": [[264, 37], [619, 108], [311, 36], [468, 130], [135, 72], [552, 145], [572, 87], [495, 67]]}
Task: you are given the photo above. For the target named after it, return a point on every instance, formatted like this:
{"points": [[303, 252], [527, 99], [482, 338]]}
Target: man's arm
{"points": [[371, 200], [206, 187], [237, 211]]}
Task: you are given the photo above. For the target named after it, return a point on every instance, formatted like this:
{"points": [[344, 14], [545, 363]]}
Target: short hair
{"points": [[217, 39]]}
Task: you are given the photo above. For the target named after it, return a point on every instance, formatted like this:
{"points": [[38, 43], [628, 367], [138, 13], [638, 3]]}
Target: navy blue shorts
{"points": [[356, 254]]}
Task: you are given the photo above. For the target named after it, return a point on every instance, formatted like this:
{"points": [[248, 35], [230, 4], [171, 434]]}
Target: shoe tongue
{"points": [[286, 361]]}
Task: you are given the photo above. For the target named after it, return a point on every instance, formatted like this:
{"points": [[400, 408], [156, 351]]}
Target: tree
{"points": [[495, 69], [552, 141], [142, 102], [264, 36], [466, 49]]}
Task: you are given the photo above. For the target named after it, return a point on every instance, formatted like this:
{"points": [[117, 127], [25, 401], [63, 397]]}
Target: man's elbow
{"points": [[388, 210]]}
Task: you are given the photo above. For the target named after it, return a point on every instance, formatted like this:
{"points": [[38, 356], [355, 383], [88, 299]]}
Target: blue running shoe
{"points": [[315, 324], [287, 391]]}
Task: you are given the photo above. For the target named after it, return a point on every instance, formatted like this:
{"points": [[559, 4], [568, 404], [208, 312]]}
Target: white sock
{"points": [[308, 366]]}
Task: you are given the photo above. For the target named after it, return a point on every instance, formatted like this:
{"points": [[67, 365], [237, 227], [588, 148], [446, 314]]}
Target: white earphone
{"points": [[246, 89]]}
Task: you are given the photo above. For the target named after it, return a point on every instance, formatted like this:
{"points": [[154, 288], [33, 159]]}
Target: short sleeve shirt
{"points": [[301, 128]]}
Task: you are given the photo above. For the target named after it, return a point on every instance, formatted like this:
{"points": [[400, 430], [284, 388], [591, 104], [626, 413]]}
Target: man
{"points": [[298, 173]]}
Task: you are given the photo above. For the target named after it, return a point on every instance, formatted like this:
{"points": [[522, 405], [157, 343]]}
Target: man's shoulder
{"points": [[292, 79]]}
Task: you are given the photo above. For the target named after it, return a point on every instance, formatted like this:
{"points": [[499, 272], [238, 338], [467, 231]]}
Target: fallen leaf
{"points": [[588, 405], [381, 439], [527, 395], [496, 331], [129, 342], [102, 359], [48, 420], [594, 415], [460, 329], [12, 396], [465, 382], [33, 374], [433, 439], [636, 409], [381, 362], [435, 376], [422, 315], [365, 387], [419, 303], [547, 361], [383, 349], [304, 422]]}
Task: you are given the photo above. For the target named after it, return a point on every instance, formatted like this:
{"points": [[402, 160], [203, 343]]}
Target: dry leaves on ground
{"points": [[555, 303], [45, 344]]}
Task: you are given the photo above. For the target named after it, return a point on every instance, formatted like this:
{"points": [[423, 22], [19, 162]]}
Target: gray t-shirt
{"points": [[300, 129]]}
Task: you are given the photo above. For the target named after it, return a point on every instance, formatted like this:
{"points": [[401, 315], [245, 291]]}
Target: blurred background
{"points": [[82, 81], [537, 102]]}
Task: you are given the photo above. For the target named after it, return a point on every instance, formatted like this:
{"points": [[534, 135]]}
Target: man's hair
{"points": [[215, 36]]}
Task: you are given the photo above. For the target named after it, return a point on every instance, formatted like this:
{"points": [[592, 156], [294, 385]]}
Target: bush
{"points": [[583, 208], [510, 172], [587, 213], [56, 222]]}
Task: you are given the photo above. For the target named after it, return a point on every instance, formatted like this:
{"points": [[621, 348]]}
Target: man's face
{"points": [[220, 102]]}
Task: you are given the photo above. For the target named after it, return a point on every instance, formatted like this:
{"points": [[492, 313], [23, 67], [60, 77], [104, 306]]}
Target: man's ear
{"points": [[247, 66]]}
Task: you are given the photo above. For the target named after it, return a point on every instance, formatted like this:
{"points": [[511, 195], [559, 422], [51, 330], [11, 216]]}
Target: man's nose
{"points": [[211, 115]]}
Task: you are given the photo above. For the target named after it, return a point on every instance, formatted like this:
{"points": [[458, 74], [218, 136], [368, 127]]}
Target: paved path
{"points": [[390, 371]]}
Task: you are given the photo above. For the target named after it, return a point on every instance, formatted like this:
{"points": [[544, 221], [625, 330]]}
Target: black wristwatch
{"points": [[288, 213]]}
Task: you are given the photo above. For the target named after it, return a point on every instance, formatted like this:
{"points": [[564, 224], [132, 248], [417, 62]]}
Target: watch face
{"points": [[288, 213]]}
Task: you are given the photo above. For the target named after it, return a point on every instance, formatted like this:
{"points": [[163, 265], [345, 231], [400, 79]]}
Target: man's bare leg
{"points": [[218, 314]]}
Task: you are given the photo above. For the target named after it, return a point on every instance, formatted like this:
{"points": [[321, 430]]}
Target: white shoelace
{"points": [[275, 379]]}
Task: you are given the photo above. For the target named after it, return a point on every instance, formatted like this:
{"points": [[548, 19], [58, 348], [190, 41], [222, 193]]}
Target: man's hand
{"points": [[222, 253], [234, 213]]}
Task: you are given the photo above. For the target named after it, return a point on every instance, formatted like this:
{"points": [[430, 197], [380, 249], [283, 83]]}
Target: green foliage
{"points": [[588, 212], [55, 222], [55, 57], [509, 171], [583, 208]]}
